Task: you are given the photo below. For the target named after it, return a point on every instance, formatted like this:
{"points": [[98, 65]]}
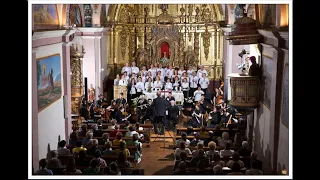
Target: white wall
{"points": [[89, 60], [51, 120], [262, 137]]}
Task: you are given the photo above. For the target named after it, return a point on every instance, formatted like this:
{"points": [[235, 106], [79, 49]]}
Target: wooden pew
{"points": [[131, 148], [209, 170], [218, 148]]}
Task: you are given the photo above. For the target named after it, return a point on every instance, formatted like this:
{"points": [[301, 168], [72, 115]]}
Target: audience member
{"points": [[209, 139], [217, 170], [95, 130], [73, 138], [71, 168], [235, 169], [94, 168], [43, 168], [113, 124], [254, 157], [199, 147], [118, 139], [224, 139], [94, 147], [199, 156], [182, 157], [216, 160], [227, 151], [254, 168], [123, 148], [97, 155], [122, 161], [183, 138], [116, 131], [235, 159], [114, 170], [81, 158], [126, 125], [182, 169], [108, 151], [244, 151], [62, 150], [182, 148], [78, 147], [53, 161], [131, 132], [212, 149], [87, 141], [105, 139], [196, 140]]}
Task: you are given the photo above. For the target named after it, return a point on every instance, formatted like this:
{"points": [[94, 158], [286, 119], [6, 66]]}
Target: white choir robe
{"points": [[199, 74], [147, 84], [184, 85], [189, 72], [127, 79], [143, 79], [126, 69], [182, 78], [140, 86], [169, 73], [180, 72], [197, 95], [162, 79], [163, 72], [144, 73], [153, 72], [176, 85], [194, 81], [168, 86], [204, 83], [123, 82], [157, 85], [134, 69]]}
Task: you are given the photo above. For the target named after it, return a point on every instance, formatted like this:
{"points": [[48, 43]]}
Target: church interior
{"points": [[99, 72]]}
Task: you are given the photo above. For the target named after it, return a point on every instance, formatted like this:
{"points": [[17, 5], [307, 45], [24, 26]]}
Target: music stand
{"points": [[164, 135]]}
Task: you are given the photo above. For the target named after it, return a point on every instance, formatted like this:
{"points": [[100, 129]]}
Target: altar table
{"points": [[178, 95]]}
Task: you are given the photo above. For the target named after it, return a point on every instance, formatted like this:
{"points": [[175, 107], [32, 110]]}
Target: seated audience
{"points": [[227, 151], [53, 161], [182, 148], [71, 168], [182, 157], [123, 148], [95, 130], [212, 149], [94, 147], [224, 139], [73, 138], [78, 147], [254, 157], [116, 131], [199, 147], [113, 124], [118, 139], [254, 170], [135, 142], [105, 139], [114, 170], [201, 168], [81, 159], [244, 151], [83, 131], [203, 133], [94, 168], [196, 140], [122, 161], [62, 150], [183, 138], [235, 159], [126, 125], [216, 160], [131, 132], [217, 132], [182, 169], [237, 140], [199, 156], [209, 139], [235, 169], [217, 170], [108, 151], [97, 155], [87, 141], [43, 168]]}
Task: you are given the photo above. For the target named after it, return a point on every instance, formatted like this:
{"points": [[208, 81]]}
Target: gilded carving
{"points": [[206, 42], [123, 42], [196, 46]]}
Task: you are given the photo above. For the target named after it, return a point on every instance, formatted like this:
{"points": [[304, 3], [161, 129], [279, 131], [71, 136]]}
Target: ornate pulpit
{"points": [[244, 91]]}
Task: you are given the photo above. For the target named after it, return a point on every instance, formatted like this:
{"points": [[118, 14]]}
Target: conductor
{"points": [[159, 105]]}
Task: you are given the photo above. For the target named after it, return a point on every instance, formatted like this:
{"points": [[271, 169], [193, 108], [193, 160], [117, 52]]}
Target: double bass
{"points": [[219, 94]]}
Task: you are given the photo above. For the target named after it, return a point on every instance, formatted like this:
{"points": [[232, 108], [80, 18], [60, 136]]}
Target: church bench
{"points": [[131, 148], [226, 170], [106, 125], [110, 138], [218, 148]]}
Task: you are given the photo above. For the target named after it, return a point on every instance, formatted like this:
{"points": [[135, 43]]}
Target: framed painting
{"points": [[45, 16], [266, 80], [48, 80]]}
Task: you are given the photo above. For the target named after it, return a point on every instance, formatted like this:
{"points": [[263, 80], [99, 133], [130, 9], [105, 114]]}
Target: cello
{"points": [[219, 94]]}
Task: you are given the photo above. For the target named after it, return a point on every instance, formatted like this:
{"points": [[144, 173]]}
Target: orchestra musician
{"points": [[170, 97], [121, 100], [101, 100], [173, 114], [112, 110], [120, 117], [196, 120]]}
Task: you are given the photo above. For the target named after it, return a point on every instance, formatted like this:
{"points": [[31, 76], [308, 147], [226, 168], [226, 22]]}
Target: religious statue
{"points": [[140, 54], [164, 60], [190, 57], [91, 93]]}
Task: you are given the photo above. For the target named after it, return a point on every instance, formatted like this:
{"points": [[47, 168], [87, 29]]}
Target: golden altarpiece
{"points": [[77, 93], [190, 32]]}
